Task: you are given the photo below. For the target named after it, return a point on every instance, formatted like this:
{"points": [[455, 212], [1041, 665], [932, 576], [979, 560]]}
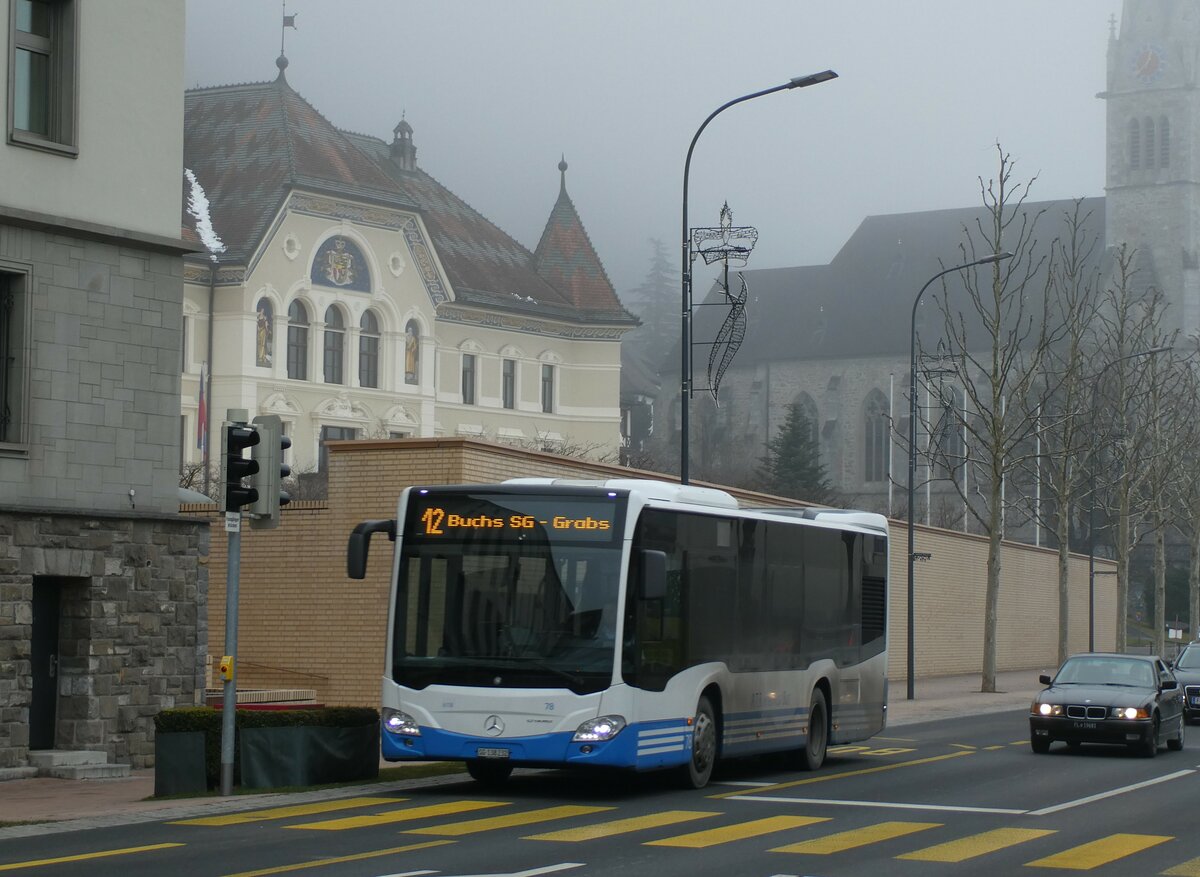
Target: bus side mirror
{"points": [[653, 575], [360, 544]]}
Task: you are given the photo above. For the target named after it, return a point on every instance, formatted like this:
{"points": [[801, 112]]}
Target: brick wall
{"points": [[304, 624]]}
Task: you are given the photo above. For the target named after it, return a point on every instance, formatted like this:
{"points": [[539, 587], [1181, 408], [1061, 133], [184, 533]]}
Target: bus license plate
{"points": [[1085, 726], [491, 753]]}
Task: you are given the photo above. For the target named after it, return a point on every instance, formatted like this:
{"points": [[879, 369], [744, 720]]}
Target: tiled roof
{"points": [[250, 144], [566, 258]]}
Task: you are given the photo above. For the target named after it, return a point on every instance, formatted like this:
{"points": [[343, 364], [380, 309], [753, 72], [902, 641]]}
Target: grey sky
{"points": [[497, 90]]}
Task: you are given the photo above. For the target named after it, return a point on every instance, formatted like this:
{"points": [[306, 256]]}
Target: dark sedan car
{"points": [[1127, 700], [1187, 671]]}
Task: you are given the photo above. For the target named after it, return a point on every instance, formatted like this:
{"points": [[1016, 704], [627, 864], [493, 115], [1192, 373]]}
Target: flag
{"points": [[290, 21], [202, 412]]}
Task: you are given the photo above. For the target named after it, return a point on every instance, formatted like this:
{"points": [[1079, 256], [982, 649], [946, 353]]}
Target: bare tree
{"points": [[996, 353], [1187, 486]]}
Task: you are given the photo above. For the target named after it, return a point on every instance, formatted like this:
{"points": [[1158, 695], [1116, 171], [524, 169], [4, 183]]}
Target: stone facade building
{"points": [[102, 584]]}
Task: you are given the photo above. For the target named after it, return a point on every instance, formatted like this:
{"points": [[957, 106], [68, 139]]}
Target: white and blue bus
{"points": [[626, 624]]}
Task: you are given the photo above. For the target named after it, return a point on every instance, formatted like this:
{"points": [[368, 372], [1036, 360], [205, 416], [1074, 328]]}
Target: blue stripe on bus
{"points": [[644, 746]]}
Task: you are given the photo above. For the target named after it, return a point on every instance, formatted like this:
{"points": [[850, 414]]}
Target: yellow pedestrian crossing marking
{"points": [[742, 830], [623, 826], [406, 814], [287, 812], [1190, 868], [337, 860], [858, 837], [976, 845], [529, 817], [1100, 852], [83, 857]]}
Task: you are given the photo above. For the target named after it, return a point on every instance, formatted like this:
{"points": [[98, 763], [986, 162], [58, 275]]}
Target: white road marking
{"points": [[885, 804], [1111, 793], [753, 785], [532, 872]]}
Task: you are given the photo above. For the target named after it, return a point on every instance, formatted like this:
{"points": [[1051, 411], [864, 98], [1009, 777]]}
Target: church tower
{"points": [[1152, 185]]}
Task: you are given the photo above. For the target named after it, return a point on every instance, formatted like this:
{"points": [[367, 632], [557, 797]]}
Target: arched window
{"points": [[1148, 141], [875, 437], [412, 352], [263, 340], [946, 430], [297, 346], [368, 350], [335, 346], [1164, 142], [1135, 143]]}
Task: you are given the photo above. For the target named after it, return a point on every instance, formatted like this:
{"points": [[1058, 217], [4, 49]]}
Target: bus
{"points": [[626, 623]]}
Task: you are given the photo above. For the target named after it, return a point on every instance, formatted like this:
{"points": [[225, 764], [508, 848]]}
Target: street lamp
{"points": [[1092, 497], [686, 350], [912, 444]]}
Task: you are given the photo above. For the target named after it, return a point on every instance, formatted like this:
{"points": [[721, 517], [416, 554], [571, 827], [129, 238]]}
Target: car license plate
{"points": [[1085, 726], [491, 753], [1196, 701]]}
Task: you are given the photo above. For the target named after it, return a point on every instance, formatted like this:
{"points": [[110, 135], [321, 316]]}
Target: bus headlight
{"points": [[401, 724], [599, 729]]}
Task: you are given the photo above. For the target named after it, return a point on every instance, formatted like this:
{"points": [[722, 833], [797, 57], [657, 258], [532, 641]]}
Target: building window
{"points": [[368, 350], [335, 346], [875, 443], [1164, 142], [548, 389], [1148, 141], [297, 348], [468, 378], [43, 44], [1135, 143], [946, 432], [508, 383], [14, 356], [333, 434]]}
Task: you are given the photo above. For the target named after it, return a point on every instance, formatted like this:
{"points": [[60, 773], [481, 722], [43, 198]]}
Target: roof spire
{"points": [[562, 169]]}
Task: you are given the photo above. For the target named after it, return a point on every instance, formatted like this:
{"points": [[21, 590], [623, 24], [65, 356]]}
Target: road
{"points": [[962, 796]]}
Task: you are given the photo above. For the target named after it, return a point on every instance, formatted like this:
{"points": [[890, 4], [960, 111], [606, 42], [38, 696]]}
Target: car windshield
{"points": [[1189, 659], [1091, 670]]}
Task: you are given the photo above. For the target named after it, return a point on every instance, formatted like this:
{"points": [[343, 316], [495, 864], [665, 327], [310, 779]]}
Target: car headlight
{"points": [[401, 724], [1048, 709], [1130, 712], [599, 729]]}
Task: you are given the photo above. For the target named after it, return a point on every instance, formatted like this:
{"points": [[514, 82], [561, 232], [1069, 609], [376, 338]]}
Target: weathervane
{"points": [[288, 21], [729, 245]]}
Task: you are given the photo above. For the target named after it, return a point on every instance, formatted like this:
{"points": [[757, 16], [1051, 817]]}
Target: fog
{"points": [[498, 90]]}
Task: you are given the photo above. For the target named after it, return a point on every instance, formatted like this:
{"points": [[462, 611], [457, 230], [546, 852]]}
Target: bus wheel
{"points": [[699, 768], [812, 756], [489, 773]]}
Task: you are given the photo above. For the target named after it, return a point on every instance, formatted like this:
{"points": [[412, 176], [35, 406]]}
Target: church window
{"points": [[368, 350], [1135, 143], [875, 429], [1148, 141], [335, 346], [297, 343], [1164, 142], [946, 431]]}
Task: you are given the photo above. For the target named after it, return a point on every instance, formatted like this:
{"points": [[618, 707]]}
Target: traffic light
{"points": [[235, 438], [271, 471]]}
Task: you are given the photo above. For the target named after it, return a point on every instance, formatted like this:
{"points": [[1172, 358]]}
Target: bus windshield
{"points": [[508, 591]]}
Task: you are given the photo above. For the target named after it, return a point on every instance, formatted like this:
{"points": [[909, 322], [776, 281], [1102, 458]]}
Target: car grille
{"points": [[1191, 691], [1077, 711]]}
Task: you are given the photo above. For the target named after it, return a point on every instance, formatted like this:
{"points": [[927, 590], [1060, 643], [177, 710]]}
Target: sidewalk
{"points": [[65, 805]]}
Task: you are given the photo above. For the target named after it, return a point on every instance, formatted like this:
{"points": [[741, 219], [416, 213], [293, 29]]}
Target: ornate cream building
{"points": [[352, 294]]}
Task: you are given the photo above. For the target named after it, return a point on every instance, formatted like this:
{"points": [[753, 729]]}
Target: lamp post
{"points": [[686, 333], [1092, 497], [912, 445]]}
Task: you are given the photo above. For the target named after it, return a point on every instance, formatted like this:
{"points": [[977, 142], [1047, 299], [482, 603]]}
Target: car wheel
{"points": [[1040, 745], [1176, 742], [1150, 746], [489, 773], [696, 773], [812, 756]]}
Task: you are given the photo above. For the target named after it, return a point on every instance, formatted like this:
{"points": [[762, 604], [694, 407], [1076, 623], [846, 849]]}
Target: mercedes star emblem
{"points": [[493, 726]]}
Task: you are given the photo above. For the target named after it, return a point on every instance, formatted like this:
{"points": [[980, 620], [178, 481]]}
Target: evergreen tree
{"points": [[656, 302], [793, 465]]}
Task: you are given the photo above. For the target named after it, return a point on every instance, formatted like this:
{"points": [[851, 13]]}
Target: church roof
{"points": [[249, 145], [860, 304], [566, 258]]}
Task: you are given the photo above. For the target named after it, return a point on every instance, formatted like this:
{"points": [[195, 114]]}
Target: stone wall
{"points": [[132, 626]]}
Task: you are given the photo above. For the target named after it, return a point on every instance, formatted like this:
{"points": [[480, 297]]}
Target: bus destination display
{"points": [[511, 517]]}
